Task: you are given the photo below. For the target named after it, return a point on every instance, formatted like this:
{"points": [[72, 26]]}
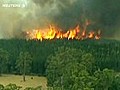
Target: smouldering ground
{"points": [[17, 79]]}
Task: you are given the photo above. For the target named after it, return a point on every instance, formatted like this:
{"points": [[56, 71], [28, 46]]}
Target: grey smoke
{"points": [[14, 21]]}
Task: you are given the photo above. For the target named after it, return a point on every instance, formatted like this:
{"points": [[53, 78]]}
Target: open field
{"points": [[17, 79]]}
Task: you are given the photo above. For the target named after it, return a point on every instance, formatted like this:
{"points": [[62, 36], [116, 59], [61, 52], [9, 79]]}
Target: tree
{"points": [[104, 79], [3, 59], [67, 69], [116, 83], [12, 87], [23, 63]]}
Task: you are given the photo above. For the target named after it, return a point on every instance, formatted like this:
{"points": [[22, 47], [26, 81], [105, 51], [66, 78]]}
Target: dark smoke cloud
{"points": [[66, 14], [69, 11], [103, 15]]}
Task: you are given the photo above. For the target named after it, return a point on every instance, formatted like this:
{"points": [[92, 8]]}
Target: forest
{"points": [[106, 52], [87, 61]]}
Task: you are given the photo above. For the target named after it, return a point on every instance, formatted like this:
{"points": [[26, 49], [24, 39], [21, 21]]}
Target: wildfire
{"points": [[54, 33]]}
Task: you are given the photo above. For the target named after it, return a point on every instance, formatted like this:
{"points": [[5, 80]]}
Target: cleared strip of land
{"points": [[31, 81]]}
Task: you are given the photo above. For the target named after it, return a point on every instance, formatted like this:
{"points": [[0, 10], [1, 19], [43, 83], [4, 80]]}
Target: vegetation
{"points": [[79, 65], [23, 64], [15, 87], [4, 61], [106, 52], [68, 64], [74, 69]]}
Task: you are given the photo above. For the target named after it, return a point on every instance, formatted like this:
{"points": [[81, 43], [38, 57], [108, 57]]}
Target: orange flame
{"points": [[55, 33]]}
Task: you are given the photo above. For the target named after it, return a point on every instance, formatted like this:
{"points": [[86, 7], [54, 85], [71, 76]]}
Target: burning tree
{"points": [[56, 33]]}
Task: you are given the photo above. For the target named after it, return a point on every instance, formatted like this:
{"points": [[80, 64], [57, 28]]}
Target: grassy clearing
{"points": [[17, 79]]}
